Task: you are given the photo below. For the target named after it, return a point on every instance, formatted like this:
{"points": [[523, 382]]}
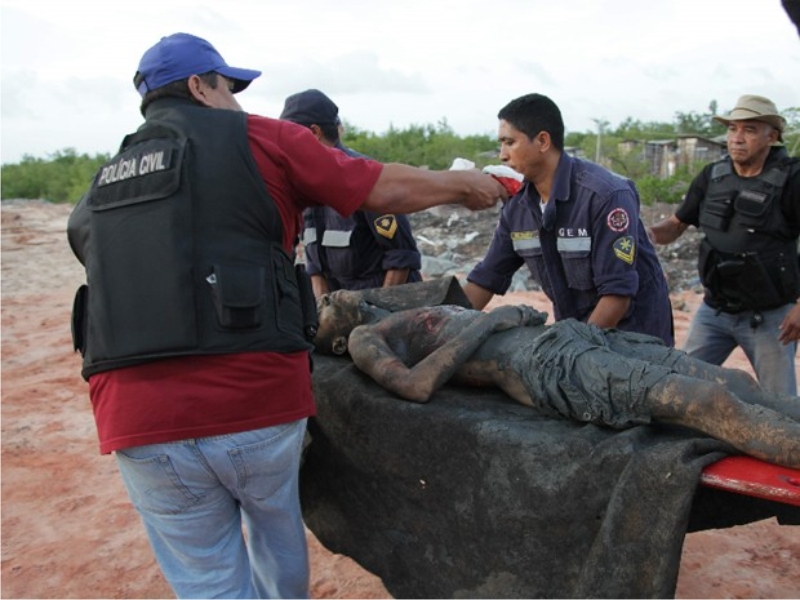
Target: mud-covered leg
{"points": [[710, 408], [740, 383]]}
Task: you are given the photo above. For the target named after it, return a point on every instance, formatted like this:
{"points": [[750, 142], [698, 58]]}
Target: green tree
{"points": [[63, 177], [700, 123], [791, 135], [433, 146], [637, 130], [669, 189]]}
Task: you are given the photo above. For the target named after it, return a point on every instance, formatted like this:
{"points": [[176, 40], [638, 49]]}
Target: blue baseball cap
{"points": [[180, 55], [310, 107]]}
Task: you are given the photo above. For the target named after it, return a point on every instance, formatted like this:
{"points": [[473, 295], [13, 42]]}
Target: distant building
{"points": [[660, 157], [693, 149], [664, 157]]}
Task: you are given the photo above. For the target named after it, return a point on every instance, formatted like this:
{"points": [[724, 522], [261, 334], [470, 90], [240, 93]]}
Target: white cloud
{"points": [[67, 66]]}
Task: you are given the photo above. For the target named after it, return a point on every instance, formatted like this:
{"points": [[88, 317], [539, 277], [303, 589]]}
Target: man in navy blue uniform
{"points": [[576, 226], [365, 250]]}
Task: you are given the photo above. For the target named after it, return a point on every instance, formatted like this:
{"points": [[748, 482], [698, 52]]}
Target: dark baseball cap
{"points": [[310, 107], [180, 55]]}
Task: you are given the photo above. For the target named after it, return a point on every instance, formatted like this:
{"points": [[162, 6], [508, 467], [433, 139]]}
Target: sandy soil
{"points": [[68, 530]]}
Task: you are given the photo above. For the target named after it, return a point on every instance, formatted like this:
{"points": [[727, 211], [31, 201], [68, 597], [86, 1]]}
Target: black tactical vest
{"points": [[182, 247], [748, 258]]}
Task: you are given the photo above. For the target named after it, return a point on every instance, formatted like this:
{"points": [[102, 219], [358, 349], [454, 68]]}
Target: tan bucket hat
{"points": [[755, 108]]}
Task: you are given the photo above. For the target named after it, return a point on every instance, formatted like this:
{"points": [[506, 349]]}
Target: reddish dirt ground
{"points": [[68, 530]]}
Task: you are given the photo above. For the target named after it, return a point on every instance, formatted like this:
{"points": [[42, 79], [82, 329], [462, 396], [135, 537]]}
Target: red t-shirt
{"points": [[199, 396]]}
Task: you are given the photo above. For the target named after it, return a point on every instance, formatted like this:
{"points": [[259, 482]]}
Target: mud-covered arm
{"points": [[370, 351]]}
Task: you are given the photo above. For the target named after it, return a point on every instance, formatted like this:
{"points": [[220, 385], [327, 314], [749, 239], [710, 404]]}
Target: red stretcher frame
{"points": [[752, 477]]}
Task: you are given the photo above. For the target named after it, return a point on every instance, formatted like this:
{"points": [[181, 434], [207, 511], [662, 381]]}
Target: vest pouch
{"points": [[718, 289], [746, 285], [730, 272], [79, 318], [751, 204], [238, 294], [307, 302], [717, 213], [705, 262], [758, 289], [723, 280], [753, 208]]}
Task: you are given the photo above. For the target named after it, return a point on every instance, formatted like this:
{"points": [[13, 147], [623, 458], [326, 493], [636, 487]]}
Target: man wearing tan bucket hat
{"points": [[748, 207]]}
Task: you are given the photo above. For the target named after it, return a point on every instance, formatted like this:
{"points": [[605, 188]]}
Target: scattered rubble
{"points": [[453, 239]]}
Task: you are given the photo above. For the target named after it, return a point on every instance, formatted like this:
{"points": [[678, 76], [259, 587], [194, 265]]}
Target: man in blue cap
{"points": [[194, 339], [364, 250]]}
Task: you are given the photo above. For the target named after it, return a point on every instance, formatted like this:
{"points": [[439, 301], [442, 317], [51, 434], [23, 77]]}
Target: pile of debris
{"points": [[453, 239]]}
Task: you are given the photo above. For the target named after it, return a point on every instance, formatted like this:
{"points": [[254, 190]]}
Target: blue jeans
{"points": [[194, 496], [712, 337]]}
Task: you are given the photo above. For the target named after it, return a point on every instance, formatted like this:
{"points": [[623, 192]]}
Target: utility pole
{"points": [[601, 124]]}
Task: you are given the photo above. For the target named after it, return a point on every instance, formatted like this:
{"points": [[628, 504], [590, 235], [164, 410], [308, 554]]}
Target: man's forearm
{"points": [[666, 231], [478, 296], [610, 310], [395, 277], [320, 286], [402, 189]]}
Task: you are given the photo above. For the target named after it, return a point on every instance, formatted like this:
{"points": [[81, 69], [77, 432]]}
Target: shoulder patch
{"points": [[523, 235], [625, 249], [386, 225], [618, 220]]}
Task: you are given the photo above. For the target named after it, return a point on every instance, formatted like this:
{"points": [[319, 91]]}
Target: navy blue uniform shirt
{"points": [[590, 242], [354, 253]]}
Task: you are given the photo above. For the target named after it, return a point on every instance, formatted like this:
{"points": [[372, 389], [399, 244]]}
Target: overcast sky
{"points": [[67, 65]]}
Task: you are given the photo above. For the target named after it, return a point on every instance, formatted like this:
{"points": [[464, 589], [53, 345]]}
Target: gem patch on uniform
{"points": [[625, 249], [386, 225], [618, 220]]}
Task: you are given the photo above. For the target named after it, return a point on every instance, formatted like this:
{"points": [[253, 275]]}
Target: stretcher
{"points": [[752, 477]]}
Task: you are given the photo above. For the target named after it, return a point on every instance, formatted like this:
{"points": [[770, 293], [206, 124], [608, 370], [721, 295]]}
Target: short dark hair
{"points": [[533, 113], [176, 89], [330, 131]]}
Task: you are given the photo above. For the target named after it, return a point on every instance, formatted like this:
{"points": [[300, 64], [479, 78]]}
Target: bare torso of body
{"points": [[492, 364]]}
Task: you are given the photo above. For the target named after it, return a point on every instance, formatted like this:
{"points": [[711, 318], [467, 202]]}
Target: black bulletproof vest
{"points": [[182, 247], [748, 258]]}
